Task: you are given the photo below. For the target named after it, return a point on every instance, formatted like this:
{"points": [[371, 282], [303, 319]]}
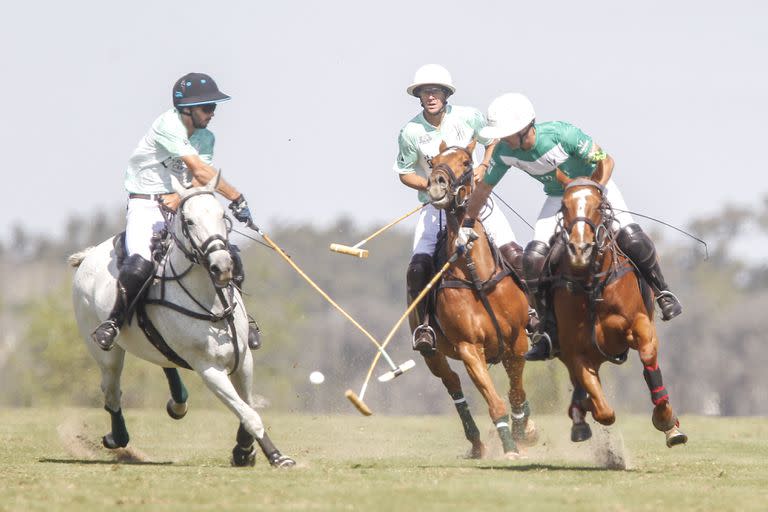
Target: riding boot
{"points": [[238, 277], [544, 342], [512, 252], [130, 282], [420, 271], [639, 248]]}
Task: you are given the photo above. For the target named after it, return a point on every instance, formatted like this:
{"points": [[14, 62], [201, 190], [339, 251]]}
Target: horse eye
{"points": [[190, 222]]}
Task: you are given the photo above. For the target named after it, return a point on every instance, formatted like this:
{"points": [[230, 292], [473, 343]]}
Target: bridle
{"points": [[198, 253], [457, 183], [600, 229]]}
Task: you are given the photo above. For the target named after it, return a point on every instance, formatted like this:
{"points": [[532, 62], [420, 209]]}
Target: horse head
{"points": [[582, 216], [201, 231], [452, 179]]}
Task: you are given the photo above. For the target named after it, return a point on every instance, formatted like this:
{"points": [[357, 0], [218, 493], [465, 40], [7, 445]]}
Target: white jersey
{"points": [[159, 153], [419, 140]]}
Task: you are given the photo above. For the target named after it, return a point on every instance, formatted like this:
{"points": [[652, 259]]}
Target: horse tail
{"points": [[77, 258]]}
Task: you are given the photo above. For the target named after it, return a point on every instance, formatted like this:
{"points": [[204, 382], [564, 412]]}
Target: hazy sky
{"points": [[674, 90]]}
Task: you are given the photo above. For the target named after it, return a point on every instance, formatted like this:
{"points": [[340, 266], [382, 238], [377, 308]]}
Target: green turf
{"points": [[49, 460]]}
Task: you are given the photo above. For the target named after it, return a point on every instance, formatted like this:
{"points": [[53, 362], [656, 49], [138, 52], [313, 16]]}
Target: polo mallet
{"points": [[357, 400], [363, 253], [396, 371]]}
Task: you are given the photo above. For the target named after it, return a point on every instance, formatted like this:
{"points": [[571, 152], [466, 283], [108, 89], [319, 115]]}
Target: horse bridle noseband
{"points": [[597, 229], [457, 182], [213, 243]]}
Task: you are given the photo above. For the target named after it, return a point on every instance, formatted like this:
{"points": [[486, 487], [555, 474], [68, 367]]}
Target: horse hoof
{"points": [[476, 452], [243, 457], [514, 456], [283, 461], [176, 410], [526, 436], [675, 437], [580, 432], [110, 443]]}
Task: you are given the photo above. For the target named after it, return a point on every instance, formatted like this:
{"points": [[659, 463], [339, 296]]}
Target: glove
{"points": [[240, 210], [466, 234]]}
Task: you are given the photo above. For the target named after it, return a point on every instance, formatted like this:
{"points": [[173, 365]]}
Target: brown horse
{"points": [[481, 313], [602, 308]]}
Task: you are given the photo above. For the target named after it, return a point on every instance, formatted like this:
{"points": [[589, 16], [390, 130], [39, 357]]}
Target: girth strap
{"points": [[156, 339]]}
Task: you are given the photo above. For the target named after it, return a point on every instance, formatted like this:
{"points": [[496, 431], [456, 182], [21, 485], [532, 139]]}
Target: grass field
{"points": [[50, 460]]}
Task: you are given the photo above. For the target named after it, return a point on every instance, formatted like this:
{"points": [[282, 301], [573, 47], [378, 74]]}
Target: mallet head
{"points": [[352, 251], [358, 403]]}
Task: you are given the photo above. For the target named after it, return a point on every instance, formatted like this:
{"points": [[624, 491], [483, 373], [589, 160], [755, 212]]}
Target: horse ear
{"points": [[562, 178], [443, 146], [178, 187], [471, 147], [213, 183], [599, 175]]}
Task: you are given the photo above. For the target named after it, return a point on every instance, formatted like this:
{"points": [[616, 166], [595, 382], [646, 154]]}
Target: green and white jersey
{"points": [[159, 153], [558, 144], [419, 140]]}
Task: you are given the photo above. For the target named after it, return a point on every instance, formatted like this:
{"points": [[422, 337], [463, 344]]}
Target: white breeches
{"points": [[549, 216], [143, 219], [431, 220]]}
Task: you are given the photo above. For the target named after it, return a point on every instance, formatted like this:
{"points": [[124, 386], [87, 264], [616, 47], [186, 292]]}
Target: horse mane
{"points": [[74, 260]]}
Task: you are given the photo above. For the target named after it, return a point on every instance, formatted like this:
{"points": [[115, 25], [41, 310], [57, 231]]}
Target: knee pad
{"points": [[420, 270], [533, 259], [135, 271], [636, 245]]}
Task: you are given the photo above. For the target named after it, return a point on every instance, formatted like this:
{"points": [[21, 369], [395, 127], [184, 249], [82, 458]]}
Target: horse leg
{"points": [[590, 381], [580, 430], [663, 417], [177, 404], [438, 365], [523, 429], [244, 453], [111, 367], [478, 372]]}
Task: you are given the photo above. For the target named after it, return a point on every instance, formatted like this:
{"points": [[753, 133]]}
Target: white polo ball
{"points": [[316, 377]]}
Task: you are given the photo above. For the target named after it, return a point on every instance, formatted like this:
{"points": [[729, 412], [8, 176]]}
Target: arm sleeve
{"points": [[576, 143], [407, 154], [477, 122], [173, 137], [496, 171]]}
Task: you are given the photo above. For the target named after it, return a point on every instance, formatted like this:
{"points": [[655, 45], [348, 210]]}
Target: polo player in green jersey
{"points": [[539, 149]]}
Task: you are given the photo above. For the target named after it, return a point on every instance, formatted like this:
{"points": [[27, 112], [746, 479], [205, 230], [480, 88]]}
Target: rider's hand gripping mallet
{"points": [[395, 370], [363, 253], [357, 400]]}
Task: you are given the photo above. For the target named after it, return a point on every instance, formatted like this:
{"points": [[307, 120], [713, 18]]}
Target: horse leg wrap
{"points": [[502, 427], [652, 376], [178, 390], [118, 437], [519, 420], [471, 432]]}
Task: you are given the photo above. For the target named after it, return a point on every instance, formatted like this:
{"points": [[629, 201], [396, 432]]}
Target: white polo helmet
{"points": [[431, 74], [507, 115]]}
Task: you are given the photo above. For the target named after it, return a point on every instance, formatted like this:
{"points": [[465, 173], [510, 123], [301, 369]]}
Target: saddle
{"points": [[159, 244]]}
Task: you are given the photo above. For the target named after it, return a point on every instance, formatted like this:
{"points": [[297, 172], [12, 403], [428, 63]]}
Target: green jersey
{"points": [[159, 152], [558, 144], [420, 141]]}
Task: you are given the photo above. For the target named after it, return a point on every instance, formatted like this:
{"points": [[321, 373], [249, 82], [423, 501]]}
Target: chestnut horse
{"points": [[466, 329], [602, 308]]}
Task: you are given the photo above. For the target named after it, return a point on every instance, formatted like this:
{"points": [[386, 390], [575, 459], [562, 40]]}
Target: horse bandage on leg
{"points": [[471, 432], [652, 376]]}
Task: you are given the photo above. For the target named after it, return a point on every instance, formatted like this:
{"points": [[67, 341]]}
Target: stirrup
{"points": [[673, 307], [542, 348], [419, 343], [254, 334], [533, 322], [104, 335]]}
